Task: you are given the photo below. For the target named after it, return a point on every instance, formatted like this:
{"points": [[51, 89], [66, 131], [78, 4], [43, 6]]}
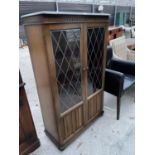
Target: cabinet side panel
{"points": [[41, 73]]}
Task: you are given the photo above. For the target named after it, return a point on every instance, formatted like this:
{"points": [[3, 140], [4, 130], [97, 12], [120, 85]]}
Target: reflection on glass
{"points": [[66, 47], [95, 59]]}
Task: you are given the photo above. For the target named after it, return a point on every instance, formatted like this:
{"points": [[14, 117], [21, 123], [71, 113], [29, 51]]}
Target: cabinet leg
{"points": [[118, 107], [102, 112]]}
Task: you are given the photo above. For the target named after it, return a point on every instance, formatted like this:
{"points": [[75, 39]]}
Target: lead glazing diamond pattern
{"points": [[95, 59], [66, 47]]}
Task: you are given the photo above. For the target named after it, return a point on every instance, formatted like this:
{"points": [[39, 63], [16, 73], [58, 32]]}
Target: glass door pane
{"points": [[66, 47], [95, 58]]}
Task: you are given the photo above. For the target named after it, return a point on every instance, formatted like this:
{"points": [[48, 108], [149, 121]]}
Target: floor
{"points": [[106, 136]]}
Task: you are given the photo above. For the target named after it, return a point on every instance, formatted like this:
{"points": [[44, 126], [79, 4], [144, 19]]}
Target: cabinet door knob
{"points": [[85, 68]]}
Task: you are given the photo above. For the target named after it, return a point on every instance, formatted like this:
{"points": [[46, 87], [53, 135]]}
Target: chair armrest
{"points": [[126, 67], [114, 82]]}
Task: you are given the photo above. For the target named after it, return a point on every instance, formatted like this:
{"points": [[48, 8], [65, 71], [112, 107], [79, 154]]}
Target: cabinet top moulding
{"points": [[44, 17]]}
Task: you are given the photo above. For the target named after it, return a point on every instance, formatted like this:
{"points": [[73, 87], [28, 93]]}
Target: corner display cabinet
{"points": [[68, 57], [28, 140]]}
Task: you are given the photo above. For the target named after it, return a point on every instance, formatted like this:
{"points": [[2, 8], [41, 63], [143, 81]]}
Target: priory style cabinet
{"points": [[68, 52]]}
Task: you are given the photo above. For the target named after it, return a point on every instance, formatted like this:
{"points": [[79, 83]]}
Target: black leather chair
{"points": [[119, 76]]}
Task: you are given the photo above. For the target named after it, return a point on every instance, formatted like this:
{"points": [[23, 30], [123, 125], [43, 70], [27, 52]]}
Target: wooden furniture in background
{"points": [[120, 49], [28, 140], [114, 32], [68, 57]]}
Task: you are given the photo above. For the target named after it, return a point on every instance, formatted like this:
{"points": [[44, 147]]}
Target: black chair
{"points": [[119, 76]]}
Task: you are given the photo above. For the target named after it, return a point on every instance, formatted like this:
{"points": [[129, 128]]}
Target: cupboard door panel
{"points": [[72, 122], [66, 48], [99, 101], [94, 105]]}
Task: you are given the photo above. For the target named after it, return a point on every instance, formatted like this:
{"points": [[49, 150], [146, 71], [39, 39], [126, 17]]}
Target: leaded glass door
{"points": [[95, 55], [78, 53], [66, 47]]}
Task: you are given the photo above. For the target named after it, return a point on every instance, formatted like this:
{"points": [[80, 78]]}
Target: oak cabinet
{"points": [[28, 140], [68, 57]]}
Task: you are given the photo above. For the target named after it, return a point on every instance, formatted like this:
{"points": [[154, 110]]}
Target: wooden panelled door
{"points": [[95, 58], [67, 47]]}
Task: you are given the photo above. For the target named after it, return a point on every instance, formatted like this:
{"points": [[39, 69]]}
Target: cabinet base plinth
{"points": [[61, 147], [58, 145]]}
